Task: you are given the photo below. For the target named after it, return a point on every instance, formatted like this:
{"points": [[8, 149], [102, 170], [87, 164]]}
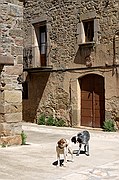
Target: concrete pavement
{"points": [[37, 159]]}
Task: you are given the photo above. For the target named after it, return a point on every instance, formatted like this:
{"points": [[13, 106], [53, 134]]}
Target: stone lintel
{"points": [[39, 19], [6, 60], [88, 15]]}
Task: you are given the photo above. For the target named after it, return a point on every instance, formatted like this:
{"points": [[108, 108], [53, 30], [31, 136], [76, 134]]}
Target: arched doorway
{"points": [[92, 101]]}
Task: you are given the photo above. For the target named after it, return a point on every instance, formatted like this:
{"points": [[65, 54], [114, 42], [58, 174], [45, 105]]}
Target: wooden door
{"points": [[43, 59], [92, 101]]}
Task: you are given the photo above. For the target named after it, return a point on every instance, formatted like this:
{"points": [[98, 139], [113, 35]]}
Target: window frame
{"points": [[85, 17], [40, 27], [89, 32]]}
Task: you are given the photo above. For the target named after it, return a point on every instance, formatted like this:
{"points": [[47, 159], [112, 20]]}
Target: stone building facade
{"points": [[71, 60], [11, 67]]}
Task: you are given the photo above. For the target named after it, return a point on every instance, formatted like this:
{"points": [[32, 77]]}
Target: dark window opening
{"points": [[43, 39], [41, 34], [25, 90], [43, 47], [89, 30]]}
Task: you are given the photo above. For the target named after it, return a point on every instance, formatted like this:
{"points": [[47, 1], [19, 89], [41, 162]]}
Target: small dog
{"points": [[82, 138], [63, 147]]}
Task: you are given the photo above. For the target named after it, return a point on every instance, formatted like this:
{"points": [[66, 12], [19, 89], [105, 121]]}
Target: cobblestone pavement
{"points": [[37, 159]]}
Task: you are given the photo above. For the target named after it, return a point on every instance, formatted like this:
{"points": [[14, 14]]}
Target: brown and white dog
{"points": [[63, 147]]}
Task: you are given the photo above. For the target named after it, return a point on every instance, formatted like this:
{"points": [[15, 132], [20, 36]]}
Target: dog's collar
{"points": [[62, 147]]}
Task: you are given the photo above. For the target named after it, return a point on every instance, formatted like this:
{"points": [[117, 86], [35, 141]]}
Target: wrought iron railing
{"points": [[27, 57], [32, 57]]}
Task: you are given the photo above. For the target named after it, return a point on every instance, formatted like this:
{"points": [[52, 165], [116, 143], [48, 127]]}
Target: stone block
{"points": [[1, 109], [16, 33], [8, 86], [16, 50], [1, 117], [5, 129], [19, 23], [15, 11], [108, 115], [8, 129], [13, 117], [20, 60], [12, 108], [13, 96], [88, 15], [74, 117], [17, 128], [117, 115], [11, 140], [39, 19], [14, 70], [7, 60], [19, 41]]}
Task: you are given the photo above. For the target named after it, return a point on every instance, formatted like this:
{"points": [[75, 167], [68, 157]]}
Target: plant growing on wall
{"points": [[23, 138], [60, 122], [3, 145], [50, 121], [109, 126], [41, 119]]}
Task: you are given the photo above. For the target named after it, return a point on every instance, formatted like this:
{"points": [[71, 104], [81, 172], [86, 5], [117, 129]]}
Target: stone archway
{"points": [[92, 100]]}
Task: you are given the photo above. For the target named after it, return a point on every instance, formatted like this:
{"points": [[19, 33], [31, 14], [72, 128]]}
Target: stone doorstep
{"points": [[11, 140]]}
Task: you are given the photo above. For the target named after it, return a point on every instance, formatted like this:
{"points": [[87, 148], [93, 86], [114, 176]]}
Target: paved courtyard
{"points": [[37, 159]]}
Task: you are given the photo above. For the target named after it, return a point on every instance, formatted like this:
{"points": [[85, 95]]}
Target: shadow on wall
{"points": [[1, 68], [83, 54], [36, 85]]}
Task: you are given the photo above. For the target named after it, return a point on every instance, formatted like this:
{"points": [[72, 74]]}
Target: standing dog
{"points": [[63, 147], [82, 138]]}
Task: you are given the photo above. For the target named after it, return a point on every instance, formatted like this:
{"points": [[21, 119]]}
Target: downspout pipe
{"points": [[114, 52], [114, 47]]}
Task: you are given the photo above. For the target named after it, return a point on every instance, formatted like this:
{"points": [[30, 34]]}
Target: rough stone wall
{"points": [[63, 18], [107, 13], [61, 22], [46, 95], [11, 66]]}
